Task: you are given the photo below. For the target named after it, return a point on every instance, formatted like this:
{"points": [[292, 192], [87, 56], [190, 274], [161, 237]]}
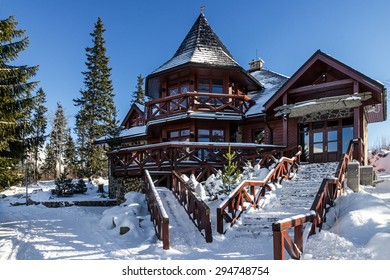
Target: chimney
{"points": [[256, 64]]}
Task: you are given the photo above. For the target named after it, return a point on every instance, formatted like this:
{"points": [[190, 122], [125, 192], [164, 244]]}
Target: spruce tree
{"points": [[15, 96], [49, 164], [139, 93], [58, 137], [96, 116], [38, 137], [70, 156]]}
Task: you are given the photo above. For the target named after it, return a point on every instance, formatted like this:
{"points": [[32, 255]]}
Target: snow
{"points": [[380, 160], [357, 227]]}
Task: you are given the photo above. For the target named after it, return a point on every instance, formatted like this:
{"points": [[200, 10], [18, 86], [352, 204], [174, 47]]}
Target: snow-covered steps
{"points": [[291, 198]]}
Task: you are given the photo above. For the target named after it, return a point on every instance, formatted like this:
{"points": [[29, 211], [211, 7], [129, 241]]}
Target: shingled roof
{"points": [[200, 46]]}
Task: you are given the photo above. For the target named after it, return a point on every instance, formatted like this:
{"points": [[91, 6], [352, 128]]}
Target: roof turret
{"points": [[200, 46]]}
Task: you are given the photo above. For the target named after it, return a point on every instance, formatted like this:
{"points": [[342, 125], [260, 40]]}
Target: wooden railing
{"points": [[157, 212], [196, 208], [241, 197], [205, 158], [197, 102], [305, 225]]}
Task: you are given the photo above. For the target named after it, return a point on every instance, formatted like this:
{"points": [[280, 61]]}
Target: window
{"points": [[332, 141], [179, 87], [210, 85], [174, 89], [304, 141], [259, 136], [211, 135], [179, 135], [204, 85], [347, 136], [217, 86]]}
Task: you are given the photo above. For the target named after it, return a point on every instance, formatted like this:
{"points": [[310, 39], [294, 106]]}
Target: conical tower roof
{"points": [[200, 46]]}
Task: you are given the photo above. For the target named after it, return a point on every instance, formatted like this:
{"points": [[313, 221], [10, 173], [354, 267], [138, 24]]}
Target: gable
{"points": [[325, 77], [135, 117]]}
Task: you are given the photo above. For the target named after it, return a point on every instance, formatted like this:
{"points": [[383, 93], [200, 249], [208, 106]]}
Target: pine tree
{"points": [[49, 165], [58, 137], [139, 93], [39, 124], [96, 116], [70, 156], [15, 97]]}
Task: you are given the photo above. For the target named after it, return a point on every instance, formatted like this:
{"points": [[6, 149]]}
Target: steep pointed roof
{"points": [[200, 46]]}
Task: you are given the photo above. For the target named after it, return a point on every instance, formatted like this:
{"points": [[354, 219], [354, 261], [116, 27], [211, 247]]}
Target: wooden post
{"points": [[220, 220], [298, 237], [207, 226], [165, 234], [278, 245]]}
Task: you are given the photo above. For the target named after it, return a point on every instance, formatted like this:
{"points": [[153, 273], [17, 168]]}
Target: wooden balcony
{"points": [[193, 102], [195, 157]]}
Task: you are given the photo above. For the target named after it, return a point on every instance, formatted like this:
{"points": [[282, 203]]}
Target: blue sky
{"points": [[143, 34]]}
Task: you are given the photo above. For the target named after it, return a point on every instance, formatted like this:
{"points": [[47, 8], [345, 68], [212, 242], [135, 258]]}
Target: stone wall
{"points": [[119, 186]]}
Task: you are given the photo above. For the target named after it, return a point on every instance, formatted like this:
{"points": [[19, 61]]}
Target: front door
{"points": [[325, 141], [325, 145]]}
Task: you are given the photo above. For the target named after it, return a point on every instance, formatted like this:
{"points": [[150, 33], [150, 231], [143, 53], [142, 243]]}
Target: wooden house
{"points": [[202, 97]]}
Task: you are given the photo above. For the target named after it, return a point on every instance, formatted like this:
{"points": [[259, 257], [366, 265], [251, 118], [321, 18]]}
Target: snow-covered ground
{"points": [[358, 227]]}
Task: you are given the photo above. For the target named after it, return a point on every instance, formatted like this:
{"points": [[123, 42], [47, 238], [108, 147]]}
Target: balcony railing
{"points": [[197, 102], [184, 157]]}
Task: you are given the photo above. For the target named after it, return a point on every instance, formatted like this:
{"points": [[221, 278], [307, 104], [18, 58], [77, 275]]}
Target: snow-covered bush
{"points": [[133, 214]]}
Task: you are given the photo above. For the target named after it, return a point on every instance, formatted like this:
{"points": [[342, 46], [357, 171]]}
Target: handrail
{"points": [[158, 214], [197, 101], [193, 156], [196, 208], [234, 205], [329, 191]]}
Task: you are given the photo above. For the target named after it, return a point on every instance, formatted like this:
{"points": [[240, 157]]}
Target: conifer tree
{"points": [[58, 137], [70, 156], [49, 165], [15, 97], [139, 93], [96, 115], [39, 124]]}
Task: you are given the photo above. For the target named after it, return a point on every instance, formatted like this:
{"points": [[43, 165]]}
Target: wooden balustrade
{"points": [[196, 208], [197, 102], [241, 197], [204, 158], [329, 191], [157, 212]]}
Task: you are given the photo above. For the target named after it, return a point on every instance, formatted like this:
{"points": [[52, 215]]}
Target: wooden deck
{"points": [[194, 157]]}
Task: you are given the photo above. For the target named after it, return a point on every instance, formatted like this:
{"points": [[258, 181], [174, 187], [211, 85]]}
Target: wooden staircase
{"points": [[291, 198]]}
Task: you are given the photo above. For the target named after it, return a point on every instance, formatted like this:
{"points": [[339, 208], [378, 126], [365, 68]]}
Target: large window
{"points": [[210, 85], [211, 135], [179, 135], [178, 87]]}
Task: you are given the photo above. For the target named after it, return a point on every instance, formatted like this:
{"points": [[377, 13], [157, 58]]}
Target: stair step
{"points": [[294, 197]]}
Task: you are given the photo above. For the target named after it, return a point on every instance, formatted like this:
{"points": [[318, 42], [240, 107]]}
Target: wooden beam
{"points": [[322, 87]]}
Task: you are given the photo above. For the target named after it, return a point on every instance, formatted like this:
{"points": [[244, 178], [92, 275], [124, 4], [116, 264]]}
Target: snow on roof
{"points": [[127, 133], [201, 45], [272, 82]]}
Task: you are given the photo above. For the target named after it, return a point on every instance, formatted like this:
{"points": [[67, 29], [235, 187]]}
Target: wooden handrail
{"points": [[197, 101], [183, 157], [329, 191], [157, 211], [234, 205], [196, 208]]}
